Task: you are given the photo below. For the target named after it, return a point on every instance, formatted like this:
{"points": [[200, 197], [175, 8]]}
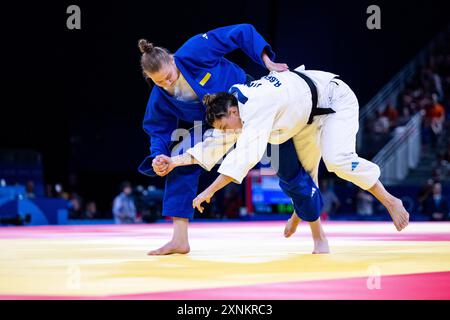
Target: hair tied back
{"points": [[208, 99], [145, 46]]}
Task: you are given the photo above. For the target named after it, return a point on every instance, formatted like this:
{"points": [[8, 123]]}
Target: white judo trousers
{"points": [[333, 138]]}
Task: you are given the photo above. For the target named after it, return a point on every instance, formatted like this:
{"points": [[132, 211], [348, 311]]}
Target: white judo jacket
{"points": [[273, 109]]}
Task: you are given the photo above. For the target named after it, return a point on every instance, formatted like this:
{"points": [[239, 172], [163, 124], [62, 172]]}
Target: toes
{"points": [[405, 221], [157, 252], [401, 225], [401, 222]]}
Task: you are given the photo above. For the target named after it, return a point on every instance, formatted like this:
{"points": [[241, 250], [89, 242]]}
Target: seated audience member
{"points": [[436, 206], [91, 210], [75, 211], [392, 114], [30, 189], [124, 209]]}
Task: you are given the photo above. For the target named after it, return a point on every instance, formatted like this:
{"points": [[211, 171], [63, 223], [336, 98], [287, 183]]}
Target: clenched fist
{"points": [[162, 165]]}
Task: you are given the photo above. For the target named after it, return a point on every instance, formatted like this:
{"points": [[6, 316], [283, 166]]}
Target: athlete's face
{"points": [[231, 122], [166, 76]]}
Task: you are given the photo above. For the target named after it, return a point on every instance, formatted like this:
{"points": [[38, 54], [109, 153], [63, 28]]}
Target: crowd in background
{"points": [[78, 207], [131, 205], [136, 204], [428, 93]]}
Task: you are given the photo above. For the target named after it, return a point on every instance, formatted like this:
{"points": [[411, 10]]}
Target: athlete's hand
{"points": [[202, 197], [159, 165], [162, 165], [278, 67], [273, 66]]}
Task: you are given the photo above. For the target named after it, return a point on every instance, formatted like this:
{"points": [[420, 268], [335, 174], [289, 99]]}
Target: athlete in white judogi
{"points": [[276, 108]]}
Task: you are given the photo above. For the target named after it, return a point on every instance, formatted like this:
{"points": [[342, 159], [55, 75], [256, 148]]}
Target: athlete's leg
{"points": [[296, 183], [181, 188], [319, 238], [338, 147], [308, 153], [395, 207], [179, 242], [302, 189]]}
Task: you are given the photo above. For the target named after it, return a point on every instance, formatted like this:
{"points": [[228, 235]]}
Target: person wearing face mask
{"points": [[181, 81]]}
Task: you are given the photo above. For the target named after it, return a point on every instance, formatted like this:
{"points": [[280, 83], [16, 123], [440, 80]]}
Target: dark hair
{"points": [[152, 57], [217, 105], [125, 184]]}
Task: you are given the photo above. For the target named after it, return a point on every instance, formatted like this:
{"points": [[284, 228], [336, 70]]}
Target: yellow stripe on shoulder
{"points": [[205, 79]]}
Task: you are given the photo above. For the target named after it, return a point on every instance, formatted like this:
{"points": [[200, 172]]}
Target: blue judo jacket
{"points": [[201, 61]]}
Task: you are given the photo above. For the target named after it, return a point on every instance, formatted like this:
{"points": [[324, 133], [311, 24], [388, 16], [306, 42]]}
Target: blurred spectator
{"points": [[437, 174], [406, 107], [91, 210], [60, 193], [330, 201], [381, 124], [30, 190], [391, 114], [435, 117], [75, 210], [436, 206], [442, 165], [364, 203], [124, 209]]}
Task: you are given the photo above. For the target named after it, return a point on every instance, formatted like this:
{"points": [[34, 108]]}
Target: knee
{"points": [[335, 162]]}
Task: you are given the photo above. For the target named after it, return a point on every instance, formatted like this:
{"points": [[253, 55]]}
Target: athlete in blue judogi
{"points": [[182, 79]]}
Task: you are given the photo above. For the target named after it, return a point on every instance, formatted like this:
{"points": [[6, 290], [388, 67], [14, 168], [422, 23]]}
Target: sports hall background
{"points": [[77, 97]]}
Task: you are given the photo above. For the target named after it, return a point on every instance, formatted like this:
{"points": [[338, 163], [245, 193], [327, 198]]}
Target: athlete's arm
{"points": [[221, 181], [164, 164], [216, 43], [212, 149], [159, 125]]}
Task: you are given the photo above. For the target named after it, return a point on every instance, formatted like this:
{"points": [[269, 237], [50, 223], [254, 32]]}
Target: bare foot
{"points": [[170, 248], [321, 246], [399, 215], [291, 225]]}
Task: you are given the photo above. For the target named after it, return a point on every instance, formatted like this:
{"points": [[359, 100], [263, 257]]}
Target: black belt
{"points": [[314, 110]]}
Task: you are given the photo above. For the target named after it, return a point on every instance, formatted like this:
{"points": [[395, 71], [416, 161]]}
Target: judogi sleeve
{"points": [[216, 43], [159, 125], [252, 143], [212, 149]]}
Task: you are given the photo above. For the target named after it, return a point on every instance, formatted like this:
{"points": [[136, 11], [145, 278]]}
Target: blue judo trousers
{"points": [[297, 184], [201, 61]]}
